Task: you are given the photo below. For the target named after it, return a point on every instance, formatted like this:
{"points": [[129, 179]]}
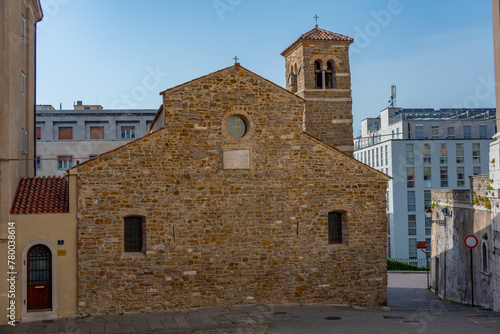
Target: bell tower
{"points": [[317, 69]]}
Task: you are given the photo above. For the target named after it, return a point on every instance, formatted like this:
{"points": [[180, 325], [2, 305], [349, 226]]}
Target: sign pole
{"points": [[471, 242], [471, 277]]}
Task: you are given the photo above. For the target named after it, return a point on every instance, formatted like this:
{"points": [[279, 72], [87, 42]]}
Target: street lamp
{"points": [[441, 222]]}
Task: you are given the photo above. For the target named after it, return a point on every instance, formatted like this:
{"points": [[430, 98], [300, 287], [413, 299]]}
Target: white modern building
{"points": [[423, 149], [65, 138]]}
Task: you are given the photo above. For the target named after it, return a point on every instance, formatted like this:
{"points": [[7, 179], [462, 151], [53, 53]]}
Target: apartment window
{"points": [[369, 158], [476, 170], [426, 152], [444, 176], [23, 27], [97, 132], [409, 154], [419, 131], [373, 157], [38, 162], [64, 162], [476, 153], [411, 201], [381, 156], [386, 155], [38, 133], [451, 132], [435, 131], [427, 199], [412, 248], [23, 84], [128, 132], [460, 177], [365, 158], [467, 132], [460, 153], [377, 157], [65, 132], [412, 225], [428, 228], [334, 227], [388, 218], [392, 134], [133, 234], [483, 133], [428, 241], [443, 153], [410, 177], [397, 133], [427, 177]]}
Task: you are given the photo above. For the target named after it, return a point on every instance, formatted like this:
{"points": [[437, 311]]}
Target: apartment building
{"points": [[423, 149], [65, 138]]}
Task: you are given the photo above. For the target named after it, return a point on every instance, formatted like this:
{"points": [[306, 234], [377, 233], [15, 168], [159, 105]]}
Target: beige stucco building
{"points": [[17, 96]]}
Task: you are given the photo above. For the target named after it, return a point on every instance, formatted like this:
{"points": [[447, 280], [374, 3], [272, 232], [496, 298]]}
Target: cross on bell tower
{"points": [[316, 17]]}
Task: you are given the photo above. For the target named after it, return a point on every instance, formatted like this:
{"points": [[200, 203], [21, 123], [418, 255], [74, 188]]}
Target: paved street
{"points": [[411, 309]]}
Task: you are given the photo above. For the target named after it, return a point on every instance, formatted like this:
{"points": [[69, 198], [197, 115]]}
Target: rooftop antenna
{"points": [[392, 101]]}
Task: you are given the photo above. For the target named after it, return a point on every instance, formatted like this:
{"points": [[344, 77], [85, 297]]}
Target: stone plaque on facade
{"points": [[236, 159], [61, 252]]}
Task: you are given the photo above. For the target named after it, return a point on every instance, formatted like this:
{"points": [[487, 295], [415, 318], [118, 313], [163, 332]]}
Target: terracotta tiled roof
{"points": [[319, 35], [41, 195]]}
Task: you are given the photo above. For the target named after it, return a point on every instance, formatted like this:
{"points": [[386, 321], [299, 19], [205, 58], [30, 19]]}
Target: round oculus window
{"points": [[236, 126]]}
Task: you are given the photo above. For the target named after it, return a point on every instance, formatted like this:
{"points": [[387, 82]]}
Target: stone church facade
{"points": [[238, 195]]}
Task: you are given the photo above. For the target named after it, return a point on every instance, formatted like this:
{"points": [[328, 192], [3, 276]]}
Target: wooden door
{"points": [[39, 278]]}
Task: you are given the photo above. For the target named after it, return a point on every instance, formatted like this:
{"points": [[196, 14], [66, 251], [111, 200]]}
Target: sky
{"points": [[122, 53]]}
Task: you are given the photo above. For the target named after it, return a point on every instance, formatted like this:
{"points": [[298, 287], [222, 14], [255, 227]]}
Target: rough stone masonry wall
{"points": [[328, 112], [215, 236]]}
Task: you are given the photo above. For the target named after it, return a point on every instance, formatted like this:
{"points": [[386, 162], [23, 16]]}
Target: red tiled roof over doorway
{"points": [[41, 195]]}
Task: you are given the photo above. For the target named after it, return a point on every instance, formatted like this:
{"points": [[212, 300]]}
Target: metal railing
{"points": [[415, 262]]}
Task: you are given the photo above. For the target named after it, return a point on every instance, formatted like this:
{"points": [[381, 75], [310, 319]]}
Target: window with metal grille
{"points": [[133, 234], [334, 227], [39, 265]]}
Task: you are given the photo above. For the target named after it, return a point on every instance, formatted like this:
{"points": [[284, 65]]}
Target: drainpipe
{"points": [[34, 89]]}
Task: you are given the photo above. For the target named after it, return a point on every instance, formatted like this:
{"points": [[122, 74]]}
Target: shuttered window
{"points": [[97, 132], [65, 132]]}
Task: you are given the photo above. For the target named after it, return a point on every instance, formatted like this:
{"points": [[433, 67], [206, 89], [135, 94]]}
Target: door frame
{"points": [[24, 281]]}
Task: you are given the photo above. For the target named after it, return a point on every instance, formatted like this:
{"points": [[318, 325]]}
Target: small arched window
{"points": [[330, 75], [318, 73], [484, 256]]}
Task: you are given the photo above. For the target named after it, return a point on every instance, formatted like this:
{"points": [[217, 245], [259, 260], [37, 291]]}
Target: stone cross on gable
{"points": [[236, 59]]}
